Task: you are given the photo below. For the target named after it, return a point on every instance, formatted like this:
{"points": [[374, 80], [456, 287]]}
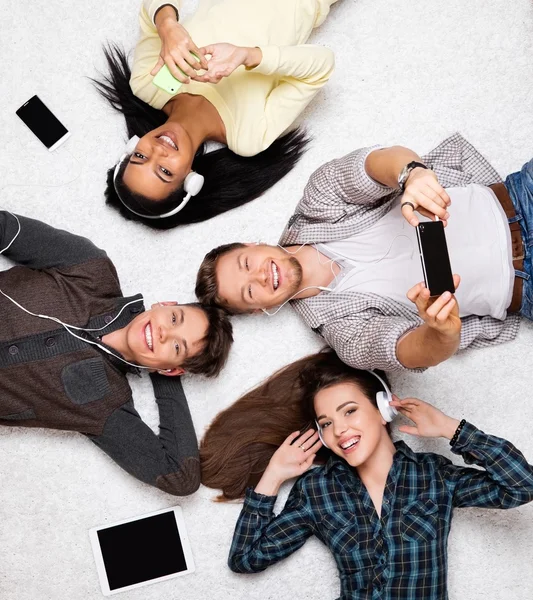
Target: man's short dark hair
{"points": [[216, 343], [206, 280]]}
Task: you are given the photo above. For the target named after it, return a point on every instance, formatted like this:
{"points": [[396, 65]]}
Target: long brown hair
{"points": [[239, 443]]}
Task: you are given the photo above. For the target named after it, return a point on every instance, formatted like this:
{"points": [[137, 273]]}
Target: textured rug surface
{"points": [[408, 73]]}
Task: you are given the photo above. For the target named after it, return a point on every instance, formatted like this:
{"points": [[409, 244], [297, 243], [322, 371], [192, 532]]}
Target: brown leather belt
{"points": [[500, 191]]}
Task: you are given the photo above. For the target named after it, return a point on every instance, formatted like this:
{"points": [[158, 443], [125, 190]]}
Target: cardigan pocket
{"points": [[85, 381], [419, 521]]}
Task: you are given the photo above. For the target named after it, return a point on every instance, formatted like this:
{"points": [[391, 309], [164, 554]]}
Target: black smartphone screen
{"points": [[42, 121], [435, 259], [142, 550]]}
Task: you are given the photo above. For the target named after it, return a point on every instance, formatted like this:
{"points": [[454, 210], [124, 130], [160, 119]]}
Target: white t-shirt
{"points": [[384, 259]]}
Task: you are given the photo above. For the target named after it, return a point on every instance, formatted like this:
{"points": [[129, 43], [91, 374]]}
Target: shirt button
{"points": [[385, 501], [50, 342], [108, 319], [13, 350]]}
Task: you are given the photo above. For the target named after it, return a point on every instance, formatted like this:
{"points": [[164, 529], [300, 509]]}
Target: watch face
{"points": [[403, 176]]}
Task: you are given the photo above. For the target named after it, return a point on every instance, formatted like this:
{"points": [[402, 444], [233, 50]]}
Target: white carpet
{"points": [[408, 73]]}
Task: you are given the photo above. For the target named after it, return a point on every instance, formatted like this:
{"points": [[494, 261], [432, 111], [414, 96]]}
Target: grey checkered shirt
{"points": [[341, 200]]}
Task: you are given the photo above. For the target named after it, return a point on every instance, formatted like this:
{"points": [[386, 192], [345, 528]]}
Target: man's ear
{"points": [[168, 303], [172, 372]]}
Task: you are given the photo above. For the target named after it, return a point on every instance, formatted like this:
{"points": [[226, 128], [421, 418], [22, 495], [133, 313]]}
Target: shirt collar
{"points": [[402, 450]]}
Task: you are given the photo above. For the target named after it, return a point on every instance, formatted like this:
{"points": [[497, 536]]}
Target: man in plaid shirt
{"points": [[348, 258]]}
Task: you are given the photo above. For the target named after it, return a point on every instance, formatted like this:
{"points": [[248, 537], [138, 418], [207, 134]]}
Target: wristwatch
{"points": [[406, 171]]}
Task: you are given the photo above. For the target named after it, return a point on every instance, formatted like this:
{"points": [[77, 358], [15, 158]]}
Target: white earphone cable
{"points": [[330, 261], [66, 326]]}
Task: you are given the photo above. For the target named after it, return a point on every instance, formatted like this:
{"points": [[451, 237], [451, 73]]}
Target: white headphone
{"points": [[192, 185], [383, 400]]}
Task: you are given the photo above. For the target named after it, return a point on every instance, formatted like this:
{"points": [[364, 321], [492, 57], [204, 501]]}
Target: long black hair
{"points": [[230, 180]]}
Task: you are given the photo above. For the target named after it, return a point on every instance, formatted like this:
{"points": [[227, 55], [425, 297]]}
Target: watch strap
{"points": [[406, 171]]}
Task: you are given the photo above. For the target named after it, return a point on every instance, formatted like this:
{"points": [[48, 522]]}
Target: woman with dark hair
{"points": [[243, 81], [383, 510]]}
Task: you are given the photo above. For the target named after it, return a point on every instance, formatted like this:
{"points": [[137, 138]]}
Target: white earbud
{"points": [[192, 184]]}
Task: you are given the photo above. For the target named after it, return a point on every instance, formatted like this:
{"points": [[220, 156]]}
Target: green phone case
{"points": [[166, 81]]}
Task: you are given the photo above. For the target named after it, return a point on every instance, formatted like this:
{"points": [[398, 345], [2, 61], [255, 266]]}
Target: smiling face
{"points": [[257, 276], [160, 162], [351, 425], [165, 336]]}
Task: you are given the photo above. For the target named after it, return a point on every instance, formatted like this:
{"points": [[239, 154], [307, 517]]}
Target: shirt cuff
{"points": [[258, 503], [465, 438], [152, 6], [166, 387], [270, 62]]}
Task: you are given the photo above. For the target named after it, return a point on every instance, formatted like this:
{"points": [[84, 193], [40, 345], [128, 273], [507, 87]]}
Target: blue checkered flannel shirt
{"points": [[401, 555]]}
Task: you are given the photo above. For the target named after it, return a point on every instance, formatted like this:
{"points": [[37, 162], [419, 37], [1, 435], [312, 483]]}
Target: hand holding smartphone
{"points": [[43, 123], [165, 81], [435, 259]]}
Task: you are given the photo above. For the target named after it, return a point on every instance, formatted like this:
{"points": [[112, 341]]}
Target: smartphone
{"points": [[166, 81], [435, 258], [44, 124]]}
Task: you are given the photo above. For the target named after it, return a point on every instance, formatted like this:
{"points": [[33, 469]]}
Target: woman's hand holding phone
{"points": [[177, 49], [427, 196], [293, 458], [428, 420]]}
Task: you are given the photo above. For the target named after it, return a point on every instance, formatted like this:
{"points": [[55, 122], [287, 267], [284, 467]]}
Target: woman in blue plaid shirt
{"points": [[383, 510]]}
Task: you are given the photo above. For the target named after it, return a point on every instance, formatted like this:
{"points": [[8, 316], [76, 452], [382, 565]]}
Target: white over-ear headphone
{"points": [[383, 400], [192, 185]]}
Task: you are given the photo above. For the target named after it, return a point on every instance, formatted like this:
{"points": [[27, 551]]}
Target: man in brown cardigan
{"points": [[50, 378]]}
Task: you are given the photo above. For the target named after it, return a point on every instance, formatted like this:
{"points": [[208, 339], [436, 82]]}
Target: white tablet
{"points": [[142, 550]]}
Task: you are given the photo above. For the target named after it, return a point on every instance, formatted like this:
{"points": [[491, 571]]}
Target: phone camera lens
{"points": [[421, 227]]}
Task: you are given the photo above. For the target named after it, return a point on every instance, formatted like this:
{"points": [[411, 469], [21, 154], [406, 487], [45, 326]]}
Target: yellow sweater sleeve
{"points": [[301, 72], [147, 54], [152, 6]]}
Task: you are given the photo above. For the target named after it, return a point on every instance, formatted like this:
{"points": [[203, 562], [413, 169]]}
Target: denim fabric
{"points": [[520, 187]]}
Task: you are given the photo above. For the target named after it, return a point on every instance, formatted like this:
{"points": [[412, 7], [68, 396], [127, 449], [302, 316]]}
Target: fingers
{"points": [[289, 440], [315, 447], [441, 309], [183, 64], [414, 292], [307, 440], [409, 212], [456, 280], [406, 404], [209, 50], [157, 67], [176, 73], [409, 429], [200, 61]]}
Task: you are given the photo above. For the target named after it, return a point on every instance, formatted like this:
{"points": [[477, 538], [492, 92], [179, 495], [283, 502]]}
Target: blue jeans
{"points": [[520, 188]]}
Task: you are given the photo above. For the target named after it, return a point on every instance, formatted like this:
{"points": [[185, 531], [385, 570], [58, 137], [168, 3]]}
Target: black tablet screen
{"points": [[142, 550]]}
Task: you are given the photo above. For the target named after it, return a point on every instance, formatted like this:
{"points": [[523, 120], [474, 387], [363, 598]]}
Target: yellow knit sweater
{"points": [[256, 105]]}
